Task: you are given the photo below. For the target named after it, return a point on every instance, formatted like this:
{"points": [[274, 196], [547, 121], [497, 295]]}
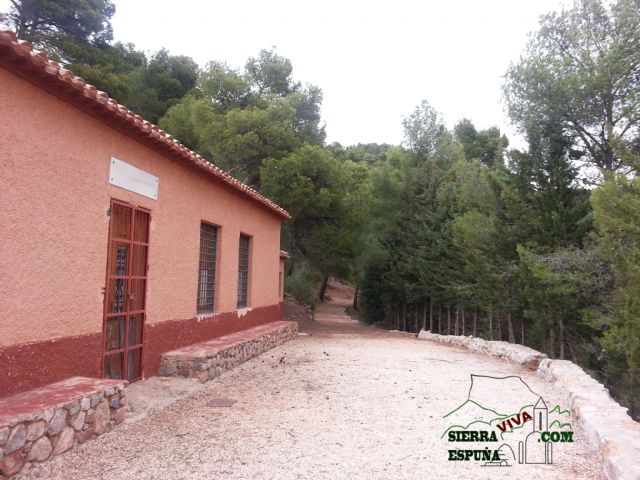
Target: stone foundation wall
{"points": [[606, 423], [208, 361], [35, 437]]}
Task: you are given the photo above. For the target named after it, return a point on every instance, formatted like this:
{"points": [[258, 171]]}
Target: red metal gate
{"points": [[124, 305]]}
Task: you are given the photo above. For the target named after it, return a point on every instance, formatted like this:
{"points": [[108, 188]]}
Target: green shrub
{"points": [[302, 284]]}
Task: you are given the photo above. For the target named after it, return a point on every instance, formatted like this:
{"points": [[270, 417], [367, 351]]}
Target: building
{"points": [[118, 243]]}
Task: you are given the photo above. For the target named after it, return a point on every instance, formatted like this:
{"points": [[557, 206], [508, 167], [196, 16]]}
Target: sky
{"points": [[375, 61]]}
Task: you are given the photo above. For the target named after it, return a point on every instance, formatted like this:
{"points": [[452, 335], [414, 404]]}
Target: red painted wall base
{"points": [[31, 365], [165, 336]]}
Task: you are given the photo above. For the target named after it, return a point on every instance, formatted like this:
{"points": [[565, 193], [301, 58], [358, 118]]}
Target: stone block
{"points": [[58, 422], [85, 404], [4, 435], [35, 430], [64, 441], [77, 421], [12, 463], [91, 413], [96, 399], [40, 450], [46, 415], [101, 418], [16, 440], [74, 408]]}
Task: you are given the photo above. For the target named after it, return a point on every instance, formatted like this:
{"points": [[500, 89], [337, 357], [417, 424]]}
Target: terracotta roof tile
{"points": [[284, 254], [18, 55]]}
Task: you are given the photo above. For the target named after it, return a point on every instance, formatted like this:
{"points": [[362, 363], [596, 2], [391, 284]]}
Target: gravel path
{"points": [[346, 402]]}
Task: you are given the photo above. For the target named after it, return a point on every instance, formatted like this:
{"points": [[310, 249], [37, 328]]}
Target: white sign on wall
{"points": [[131, 178]]}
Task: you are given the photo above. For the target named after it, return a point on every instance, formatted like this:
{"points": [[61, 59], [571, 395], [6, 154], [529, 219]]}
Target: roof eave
{"points": [[19, 57]]}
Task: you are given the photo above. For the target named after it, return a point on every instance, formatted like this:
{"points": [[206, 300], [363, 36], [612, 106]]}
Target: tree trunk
{"points": [[522, 328], [512, 336], [456, 324], [552, 340], [404, 317], [323, 287], [475, 322], [392, 323], [392, 317], [440, 319], [431, 314], [448, 320], [462, 314], [415, 318], [355, 299], [499, 321], [490, 320], [561, 325], [424, 315]]}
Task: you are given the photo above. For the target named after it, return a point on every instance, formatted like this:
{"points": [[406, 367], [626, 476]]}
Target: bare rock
{"points": [[46, 415], [101, 418], [12, 463], [64, 441], [4, 435], [95, 400], [40, 450], [35, 430], [73, 408], [58, 422], [85, 404], [16, 439], [77, 421]]}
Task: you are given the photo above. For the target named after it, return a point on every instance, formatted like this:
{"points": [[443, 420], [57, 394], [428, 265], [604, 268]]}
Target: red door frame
{"points": [[127, 298]]}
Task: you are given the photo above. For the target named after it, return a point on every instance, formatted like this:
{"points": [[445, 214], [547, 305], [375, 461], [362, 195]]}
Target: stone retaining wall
{"points": [[27, 437], [520, 354], [605, 422], [207, 360]]}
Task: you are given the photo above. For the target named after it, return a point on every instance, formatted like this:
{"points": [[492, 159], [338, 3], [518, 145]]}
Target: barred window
{"points": [[243, 270], [207, 269]]}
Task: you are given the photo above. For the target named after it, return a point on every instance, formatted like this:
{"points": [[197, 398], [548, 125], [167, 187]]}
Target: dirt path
{"points": [[346, 402]]}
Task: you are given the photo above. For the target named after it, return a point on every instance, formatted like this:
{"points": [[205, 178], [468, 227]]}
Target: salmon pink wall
{"points": [[281, 279], [54, 163]]}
